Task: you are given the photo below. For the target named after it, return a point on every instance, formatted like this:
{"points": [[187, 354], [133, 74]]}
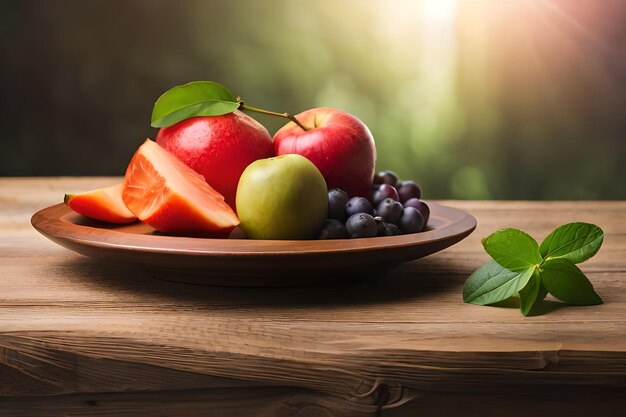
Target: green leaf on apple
{"points": [[198, 98]]}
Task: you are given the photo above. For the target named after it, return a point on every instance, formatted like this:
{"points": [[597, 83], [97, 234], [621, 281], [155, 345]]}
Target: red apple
{"points": [[339, 144], [218, 147]]}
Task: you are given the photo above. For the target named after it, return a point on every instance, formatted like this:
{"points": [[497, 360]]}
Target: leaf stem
{"points": [[244, 106]]}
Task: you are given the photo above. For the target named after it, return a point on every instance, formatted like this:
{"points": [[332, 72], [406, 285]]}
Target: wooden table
{"points": [[85, 337]]}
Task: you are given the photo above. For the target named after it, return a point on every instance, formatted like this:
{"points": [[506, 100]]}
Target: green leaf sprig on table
{"points": [[532, 271]]}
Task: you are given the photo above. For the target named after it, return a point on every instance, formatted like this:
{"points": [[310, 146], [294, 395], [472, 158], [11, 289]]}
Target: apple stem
{"points": [[244, 106]]}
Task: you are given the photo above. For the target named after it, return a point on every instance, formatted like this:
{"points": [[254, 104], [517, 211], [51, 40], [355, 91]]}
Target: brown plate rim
{"points": [[50, 221]]}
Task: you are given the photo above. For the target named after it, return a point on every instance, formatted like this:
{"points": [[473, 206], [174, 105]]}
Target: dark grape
{"points": [[385, 191], [387, 229], [337, 200], [378, 179], [391, 230], [408, 190], [411, 221], [380, 224], [388, 177], [412, 202], [421, 206], [390, 210], [359, 205], [361, 225], [333, 229]]}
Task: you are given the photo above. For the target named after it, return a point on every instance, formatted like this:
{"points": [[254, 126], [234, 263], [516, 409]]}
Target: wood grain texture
{"points": [[83, 330]]}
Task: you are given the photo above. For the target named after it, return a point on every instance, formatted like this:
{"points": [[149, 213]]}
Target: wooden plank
{"points": [[73, 326], [222, 402], [291, 402]]}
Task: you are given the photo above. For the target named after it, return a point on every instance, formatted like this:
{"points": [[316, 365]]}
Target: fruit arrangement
{"points": [[215, 171]]}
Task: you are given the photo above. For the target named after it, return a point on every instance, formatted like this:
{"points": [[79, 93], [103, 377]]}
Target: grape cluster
{"points": [[394, 208]]}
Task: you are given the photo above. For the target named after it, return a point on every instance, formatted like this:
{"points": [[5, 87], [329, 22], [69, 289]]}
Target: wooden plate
{"points": [[241, 262]]}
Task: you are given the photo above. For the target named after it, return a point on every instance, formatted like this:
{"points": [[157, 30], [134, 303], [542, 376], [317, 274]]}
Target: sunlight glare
{"points": [[439, 10]]}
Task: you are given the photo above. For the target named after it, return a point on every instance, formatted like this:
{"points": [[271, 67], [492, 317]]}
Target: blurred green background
{"points": [[473, 99]]}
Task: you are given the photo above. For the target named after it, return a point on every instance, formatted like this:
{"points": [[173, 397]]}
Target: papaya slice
{"points": [[171, 197], [104, 204]]}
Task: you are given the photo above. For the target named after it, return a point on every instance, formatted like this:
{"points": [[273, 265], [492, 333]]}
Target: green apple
{"points": [[282, 198]]}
